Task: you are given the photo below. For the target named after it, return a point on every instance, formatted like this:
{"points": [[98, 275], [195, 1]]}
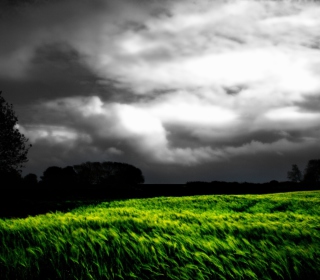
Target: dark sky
{"points": [[184, 90]]}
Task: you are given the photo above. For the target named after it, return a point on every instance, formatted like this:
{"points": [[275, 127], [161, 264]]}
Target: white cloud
{"points": [[86, 106], [218, 44], [191, 44], [53, 134], [137, 121], [292, 117], [190, 108], [266, 52]]}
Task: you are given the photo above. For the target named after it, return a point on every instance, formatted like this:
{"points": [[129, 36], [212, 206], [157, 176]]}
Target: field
{"points": [[273, 236]]}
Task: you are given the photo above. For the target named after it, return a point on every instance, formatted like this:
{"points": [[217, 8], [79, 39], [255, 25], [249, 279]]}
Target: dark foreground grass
{"points": [[274, 236]]}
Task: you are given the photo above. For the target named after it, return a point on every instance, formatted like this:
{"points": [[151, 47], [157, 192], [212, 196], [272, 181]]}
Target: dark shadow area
{"points": [[24, 202], [63, 189]]}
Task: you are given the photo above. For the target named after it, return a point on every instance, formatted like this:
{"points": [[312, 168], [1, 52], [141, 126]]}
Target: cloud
{"points": [[146, 130], [292, 116], [278, 147], [310, 103], [133, 127], [165, 82], [53, 134], [183, 45], [221, 45]]}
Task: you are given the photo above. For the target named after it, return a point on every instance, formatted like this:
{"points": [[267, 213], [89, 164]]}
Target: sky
{"points": [[184, 90]]}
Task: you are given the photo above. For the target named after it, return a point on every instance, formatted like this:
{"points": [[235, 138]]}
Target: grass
{"points": [[274, 236]]}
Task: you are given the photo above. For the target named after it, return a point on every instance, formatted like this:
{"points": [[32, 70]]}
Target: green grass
{"points": [[274, 236]]}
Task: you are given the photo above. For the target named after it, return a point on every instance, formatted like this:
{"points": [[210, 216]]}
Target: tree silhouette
{"points": [[122, 173], [89, 173], [312, 171], [69, 177], [51, 176], [96, 173], [30, 180], [295, 174], [58, 177], [13, 144]]}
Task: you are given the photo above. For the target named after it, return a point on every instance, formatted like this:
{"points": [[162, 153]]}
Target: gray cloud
{"points": [[173, 87], [310, 103]]}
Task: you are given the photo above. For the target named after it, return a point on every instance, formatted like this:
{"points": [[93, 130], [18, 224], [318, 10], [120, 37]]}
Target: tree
{"points": [[106, 173], [13, 144], [52, 176], [69, 177], [312, 171], [122, 173], [89, 173], [10, 178], [58, 177], [295, 174], [30, 180]]}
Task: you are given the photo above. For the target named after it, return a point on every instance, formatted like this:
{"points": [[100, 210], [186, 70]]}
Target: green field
{"points": [[274, 236]]}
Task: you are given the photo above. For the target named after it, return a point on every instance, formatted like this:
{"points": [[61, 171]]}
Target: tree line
{"points": [[310, 175], [297, 181], [96, 174]]}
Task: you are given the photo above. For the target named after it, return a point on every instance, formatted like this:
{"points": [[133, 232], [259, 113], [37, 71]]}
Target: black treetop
{"points": [[13, 144], [312, 171]]}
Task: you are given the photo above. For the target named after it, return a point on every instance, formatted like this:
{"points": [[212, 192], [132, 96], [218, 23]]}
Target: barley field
{"points": [[273, 236]]}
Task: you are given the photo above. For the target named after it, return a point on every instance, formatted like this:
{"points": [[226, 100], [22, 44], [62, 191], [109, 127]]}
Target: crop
{"points": [[274, 236]]}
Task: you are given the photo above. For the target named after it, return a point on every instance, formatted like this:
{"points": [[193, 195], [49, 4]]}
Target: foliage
{"points": [[96, 173], [92, 173], [312, 171], [13, 144], [55, 176], [30, 180], [10, 177], [201, 237], [295, 174]]}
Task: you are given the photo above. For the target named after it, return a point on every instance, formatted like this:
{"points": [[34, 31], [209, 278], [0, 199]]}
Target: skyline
{"points": [[183, 90]]}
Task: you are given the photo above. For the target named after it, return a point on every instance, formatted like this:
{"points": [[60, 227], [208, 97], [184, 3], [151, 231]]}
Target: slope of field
{"points": [[274, 236]]}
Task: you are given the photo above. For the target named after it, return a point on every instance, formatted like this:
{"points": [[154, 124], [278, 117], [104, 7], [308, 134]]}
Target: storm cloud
{"points": [[210, 90]]}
